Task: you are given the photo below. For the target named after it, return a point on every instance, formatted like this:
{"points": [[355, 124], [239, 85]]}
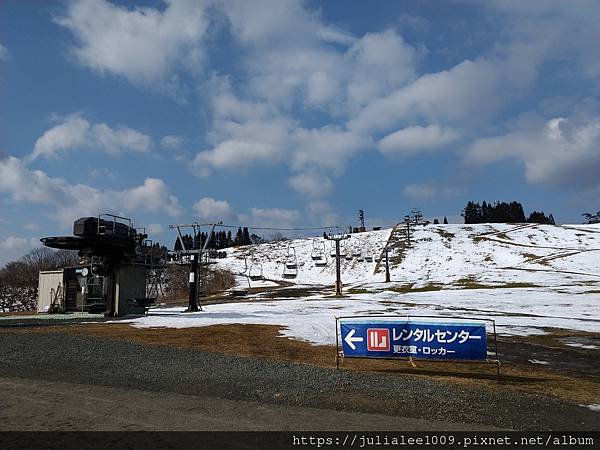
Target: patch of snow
{"points": [[537, 361], [526, 277], [593, 407], [312, 319], [579, 345]]}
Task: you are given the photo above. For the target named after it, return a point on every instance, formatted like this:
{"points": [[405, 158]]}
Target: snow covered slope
{"points": [[456, 256], [528, 278]]}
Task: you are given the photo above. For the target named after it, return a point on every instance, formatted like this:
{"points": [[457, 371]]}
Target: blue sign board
{"points": [[388, 337]]}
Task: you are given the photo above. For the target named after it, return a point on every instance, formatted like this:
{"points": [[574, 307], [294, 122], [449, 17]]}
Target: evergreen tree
{"points": [[445, 221], [472, 213], [246, 237], [540, 217], [188, 242], [485, 212], [239, 238], [177, 246], [591, 218], [229, 239], [436, 222]]}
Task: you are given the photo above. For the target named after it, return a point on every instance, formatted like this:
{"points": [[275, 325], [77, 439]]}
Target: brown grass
{"points": [[472, 283], [265, 341]]}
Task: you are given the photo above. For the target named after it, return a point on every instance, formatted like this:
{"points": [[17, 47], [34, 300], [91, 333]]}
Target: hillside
{"points": [[530, 279], [451, 256]]}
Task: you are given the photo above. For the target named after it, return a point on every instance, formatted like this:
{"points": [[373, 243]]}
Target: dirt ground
{"points": [[574, 375]]}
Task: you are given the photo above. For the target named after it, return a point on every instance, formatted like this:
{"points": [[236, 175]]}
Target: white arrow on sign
{"points": [[351, 340]]}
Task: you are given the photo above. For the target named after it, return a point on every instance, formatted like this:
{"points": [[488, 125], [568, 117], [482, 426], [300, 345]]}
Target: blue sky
{"points": [[292, 113]]}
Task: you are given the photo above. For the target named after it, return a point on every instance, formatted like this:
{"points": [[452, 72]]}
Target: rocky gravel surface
{"points": [[104, 362]]}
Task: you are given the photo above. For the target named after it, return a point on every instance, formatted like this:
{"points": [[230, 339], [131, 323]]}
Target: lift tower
{"points": [[197, 260], [338, 268]]}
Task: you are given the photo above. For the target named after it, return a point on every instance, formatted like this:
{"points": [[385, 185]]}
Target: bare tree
{"points": [[19, 279]]}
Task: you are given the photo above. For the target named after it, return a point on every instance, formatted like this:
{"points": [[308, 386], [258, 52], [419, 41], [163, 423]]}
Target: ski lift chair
{"points": [[321, 262], [290, 272], [291, 262], [318, 254], [255, 273], [345, 252]]}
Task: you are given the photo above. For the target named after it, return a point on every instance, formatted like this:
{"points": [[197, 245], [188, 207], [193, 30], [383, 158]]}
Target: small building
{"points": [[50, 289], [78, 289]]}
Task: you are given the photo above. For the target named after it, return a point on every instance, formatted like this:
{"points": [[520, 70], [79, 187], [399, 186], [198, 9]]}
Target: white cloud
{"points": [[65, 136], [563, 152], [330, 33], [247, 134], [227, 106], [377, 63], [153, 195], [275, 217], [144, 45], [451, 95], [322, 213], [154, 229], [4, 55], [311, 184], [322, 88], [210, 209], [171, 141], [71, 201], [426, 191], [263, 22], [12, 248], [75, 133], [327, 148], [17, 244], [417, 139], [417, 23], [537, 31], [32, 226], [244, 144]]}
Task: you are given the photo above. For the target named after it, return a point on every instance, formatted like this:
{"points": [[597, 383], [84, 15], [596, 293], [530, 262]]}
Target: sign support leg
{"points": [[496, 350], [337, 345]]}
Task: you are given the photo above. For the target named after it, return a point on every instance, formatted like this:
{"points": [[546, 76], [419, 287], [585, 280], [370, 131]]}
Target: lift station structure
{"points": [[113, 278]]}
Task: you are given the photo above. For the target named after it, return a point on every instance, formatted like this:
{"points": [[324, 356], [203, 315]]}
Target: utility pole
{"points": [[387, 265], [407, 221], [338, 266]]}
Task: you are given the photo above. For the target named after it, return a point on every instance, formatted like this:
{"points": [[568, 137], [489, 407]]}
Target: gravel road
{"points": [[96, 362]]}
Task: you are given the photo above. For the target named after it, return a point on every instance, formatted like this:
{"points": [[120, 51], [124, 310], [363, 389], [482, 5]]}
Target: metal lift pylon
{"points": [[196, 261]]}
